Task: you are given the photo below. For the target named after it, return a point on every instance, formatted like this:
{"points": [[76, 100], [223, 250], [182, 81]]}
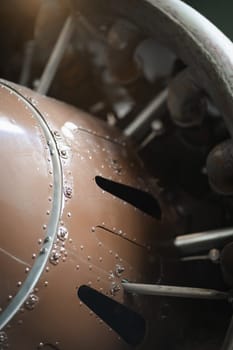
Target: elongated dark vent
{"points": [[48, 346], [138, 198], [127, 323]]}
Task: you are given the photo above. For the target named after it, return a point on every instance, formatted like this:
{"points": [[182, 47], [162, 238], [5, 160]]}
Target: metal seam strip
{"points": [[52, 228]]}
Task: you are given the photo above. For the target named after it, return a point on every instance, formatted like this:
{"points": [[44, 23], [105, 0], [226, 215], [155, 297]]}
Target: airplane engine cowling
{"points": [[78, 215]]}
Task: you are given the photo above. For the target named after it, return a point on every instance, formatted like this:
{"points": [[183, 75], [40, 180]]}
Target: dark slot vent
{"points": [[48, 347], [138, 198], [127, 323]]}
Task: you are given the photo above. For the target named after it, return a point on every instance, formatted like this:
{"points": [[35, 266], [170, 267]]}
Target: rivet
{"points": [[62, 233], [116, 288], [63, 153], [3, 339], [33, 256], [68, 192], [19, 284], [43, 250], [46, 283], [119, 270], [54, 258], [44, 227], [47, 239]]}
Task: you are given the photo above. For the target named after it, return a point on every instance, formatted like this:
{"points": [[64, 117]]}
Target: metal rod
{"points": [[198, 242], [56, 56], [228, 341], [146, 114], [27, 63], [173, 291]]}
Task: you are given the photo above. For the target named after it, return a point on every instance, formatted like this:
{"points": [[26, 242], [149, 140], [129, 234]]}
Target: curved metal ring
{"points": [[190, 35], [53, 224]]}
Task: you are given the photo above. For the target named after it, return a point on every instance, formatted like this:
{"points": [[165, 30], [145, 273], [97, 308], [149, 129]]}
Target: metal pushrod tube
{"points": [[199, 242], [146, 114], [56, 56], [228, 341], [173, 291]]}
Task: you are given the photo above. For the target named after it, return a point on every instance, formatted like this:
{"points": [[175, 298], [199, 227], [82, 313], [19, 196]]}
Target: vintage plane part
{"points": [[72, 196]]}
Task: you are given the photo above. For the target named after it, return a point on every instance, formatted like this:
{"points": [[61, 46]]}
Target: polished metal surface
{"points": [[60, 229], [56, 55], [195, 40], [173, 291], [149, 112], [194, 243], [51, 227]]}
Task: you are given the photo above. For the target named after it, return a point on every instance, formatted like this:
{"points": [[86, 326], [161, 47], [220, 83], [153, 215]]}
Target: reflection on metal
{"points": [[213, 256], [52, 227], [173, 291], [56, 56], [200, 242], [228, 342], [153, 107], [27, 63], [157, 129]]}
